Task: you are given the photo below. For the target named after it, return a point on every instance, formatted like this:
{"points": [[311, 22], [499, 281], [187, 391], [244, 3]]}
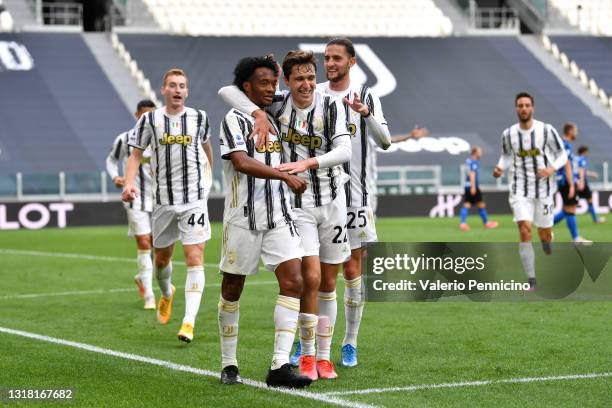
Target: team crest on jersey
{"points": [[352, 128], [178, 139], [529, 152]]}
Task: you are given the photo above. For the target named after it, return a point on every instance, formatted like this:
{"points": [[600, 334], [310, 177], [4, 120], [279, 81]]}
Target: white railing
{"points": [[493, 18], [392, 180]]}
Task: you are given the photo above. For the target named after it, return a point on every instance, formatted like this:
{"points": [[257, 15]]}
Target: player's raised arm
{"points": [[116, 154], [371, 110]]}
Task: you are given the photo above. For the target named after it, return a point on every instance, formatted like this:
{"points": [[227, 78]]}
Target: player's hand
{"points": [[418, 132], [545, 173], [357, 105], [572, 191], [472, 190], [580, 186], [261, 129], [299, 166], [119, 181], [497, 172], [130, 192], [295, 183]]}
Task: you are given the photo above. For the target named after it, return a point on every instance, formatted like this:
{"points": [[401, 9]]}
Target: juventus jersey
{"points": [[180, 167], [312, 132], [361, 167], [119, 153], [531, 150], [252, 203]]}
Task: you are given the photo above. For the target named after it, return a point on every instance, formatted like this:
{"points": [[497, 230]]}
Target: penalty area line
{"points": [[184, 368], [524, 380]]}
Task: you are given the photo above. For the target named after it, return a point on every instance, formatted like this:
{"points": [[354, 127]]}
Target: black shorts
{"points": [[472, 199], [564, 190], [586, 193]]}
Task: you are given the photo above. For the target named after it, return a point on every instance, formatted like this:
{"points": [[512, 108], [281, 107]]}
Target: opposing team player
{"points": [[139, 210], [567, 178], [533, 151], [258, 223], [473, 195], [181, 161], [316, 143], [582, 185]]}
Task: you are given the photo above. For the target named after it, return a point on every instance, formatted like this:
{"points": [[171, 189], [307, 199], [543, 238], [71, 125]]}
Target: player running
{"points": [[316, 143], [473, 195], [181, 159], [139, 210], [567, 179], [582, 185], [533, 151], [258, 223]]}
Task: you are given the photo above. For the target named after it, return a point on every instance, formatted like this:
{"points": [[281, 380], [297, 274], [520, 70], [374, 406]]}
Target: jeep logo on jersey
{"points": [[15, 57], [385, 81], [311, 142], [270, 147], [178, 139], [529, 153]]}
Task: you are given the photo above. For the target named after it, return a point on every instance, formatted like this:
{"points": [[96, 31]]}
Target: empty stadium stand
{"points": [[307, 18], [593, 54], [458, 87], [590, 16], [57, 109]]}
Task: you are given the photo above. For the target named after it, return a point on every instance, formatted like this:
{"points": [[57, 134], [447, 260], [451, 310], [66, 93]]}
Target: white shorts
{"points": [[539, 211], [185, 222], [361, 226], [323, 231], [242, 248], [139, 222]]}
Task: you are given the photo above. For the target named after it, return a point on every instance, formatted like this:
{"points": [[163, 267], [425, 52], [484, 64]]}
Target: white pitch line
{"points": [[107, 291], [412, 388], [180, 367]]}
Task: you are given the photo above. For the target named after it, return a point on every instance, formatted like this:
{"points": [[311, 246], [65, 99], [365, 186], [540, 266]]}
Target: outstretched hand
{"points": [[357, 105]]}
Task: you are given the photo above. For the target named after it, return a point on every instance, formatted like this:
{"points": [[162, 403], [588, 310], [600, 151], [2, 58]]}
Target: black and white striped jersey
{"points": [[529, 151], [119, 154], [181, 171], [252, 203], [312, 132], [361, 167]]}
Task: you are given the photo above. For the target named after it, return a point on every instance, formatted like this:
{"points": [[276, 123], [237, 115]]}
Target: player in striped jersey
{"points": [[139, 210], [533, 151], [368, 129], [258, 223], [181, 161], [316, 143]]}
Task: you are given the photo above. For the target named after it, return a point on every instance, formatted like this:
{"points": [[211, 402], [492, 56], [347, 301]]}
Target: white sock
{"points": [[527, 258], [328, 310], [194, 286], [229, 313], [145, 271], [163, 279], [286, 314], [353, 310], [307, 324]]}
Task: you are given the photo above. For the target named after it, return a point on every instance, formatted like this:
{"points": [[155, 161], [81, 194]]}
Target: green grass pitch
{"points": [[400, 344]]}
